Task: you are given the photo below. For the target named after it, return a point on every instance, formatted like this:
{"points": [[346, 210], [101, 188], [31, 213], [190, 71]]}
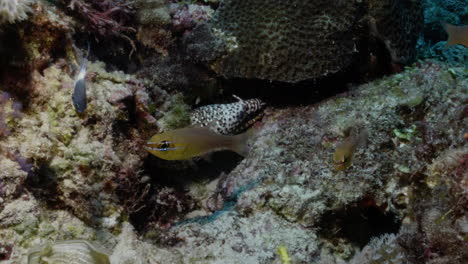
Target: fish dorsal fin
{"points": [[238, 98], [210, 126]]}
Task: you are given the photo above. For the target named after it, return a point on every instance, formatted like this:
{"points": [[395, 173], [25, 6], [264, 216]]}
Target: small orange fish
{"points": [[345, 150], [456, 35], [186, 143]]}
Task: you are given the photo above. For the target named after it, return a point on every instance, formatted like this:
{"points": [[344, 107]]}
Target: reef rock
{"points": [[289, 178], [154, 19]]}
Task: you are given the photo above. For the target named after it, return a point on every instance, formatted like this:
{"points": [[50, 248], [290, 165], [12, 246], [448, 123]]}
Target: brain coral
{"points": [[296, 40], [286, 41], [14, 10], [398, 24]]}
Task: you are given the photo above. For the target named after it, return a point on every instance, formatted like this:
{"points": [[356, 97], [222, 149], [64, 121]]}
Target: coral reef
{"points": [[286, 187], [186, 17], [69, 147], [455, 55], [301, 40], [290, 170], [107, 18], [384, 249], [177, 116], [15, 167], [436, 230], [278, 41], [432, 45], [14, 10], [32, 46], [435, 11], [10, 111], [154, 20], [67, 176]]}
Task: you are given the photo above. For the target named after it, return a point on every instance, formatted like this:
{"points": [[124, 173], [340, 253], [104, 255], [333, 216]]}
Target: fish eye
{"points": [[345, 159], [164, 144]]}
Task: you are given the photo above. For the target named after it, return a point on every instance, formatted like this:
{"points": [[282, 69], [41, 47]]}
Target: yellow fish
{"points": [[345, 150], [456, 35], [186, 143], [283, 252]]}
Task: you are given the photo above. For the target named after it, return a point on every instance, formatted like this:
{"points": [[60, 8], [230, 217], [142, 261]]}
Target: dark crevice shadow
{"points": [[159, 206], [178, 174], [359, 223]]}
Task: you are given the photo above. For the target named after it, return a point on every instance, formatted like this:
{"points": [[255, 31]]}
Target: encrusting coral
{"points": [[154, 19], [68, 147], [384, 249]]}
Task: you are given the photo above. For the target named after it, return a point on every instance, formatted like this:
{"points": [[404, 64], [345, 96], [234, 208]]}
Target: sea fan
{"points": [[14, 10]]}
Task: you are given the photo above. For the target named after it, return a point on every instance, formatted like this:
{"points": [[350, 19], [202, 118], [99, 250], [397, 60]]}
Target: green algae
{"points": [[179, 114], [406, 134]]}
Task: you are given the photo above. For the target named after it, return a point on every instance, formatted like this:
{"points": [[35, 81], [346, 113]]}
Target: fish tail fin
{"points": [[84, 60], [449, 30], [240, 143], [362, 137]]}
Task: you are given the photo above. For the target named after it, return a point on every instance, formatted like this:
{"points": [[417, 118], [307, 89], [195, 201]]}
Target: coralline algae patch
{"points": [[72, 157]]}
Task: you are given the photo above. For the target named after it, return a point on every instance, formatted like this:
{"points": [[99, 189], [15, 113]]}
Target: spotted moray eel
{"points": [[229, 119]]}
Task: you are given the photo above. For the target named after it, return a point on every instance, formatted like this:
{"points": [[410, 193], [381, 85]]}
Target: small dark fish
{"points": [[456, 35], [79, 93]]}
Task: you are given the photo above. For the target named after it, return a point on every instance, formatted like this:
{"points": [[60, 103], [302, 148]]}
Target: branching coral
{"points": [[106, 17], [14, 10]]}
